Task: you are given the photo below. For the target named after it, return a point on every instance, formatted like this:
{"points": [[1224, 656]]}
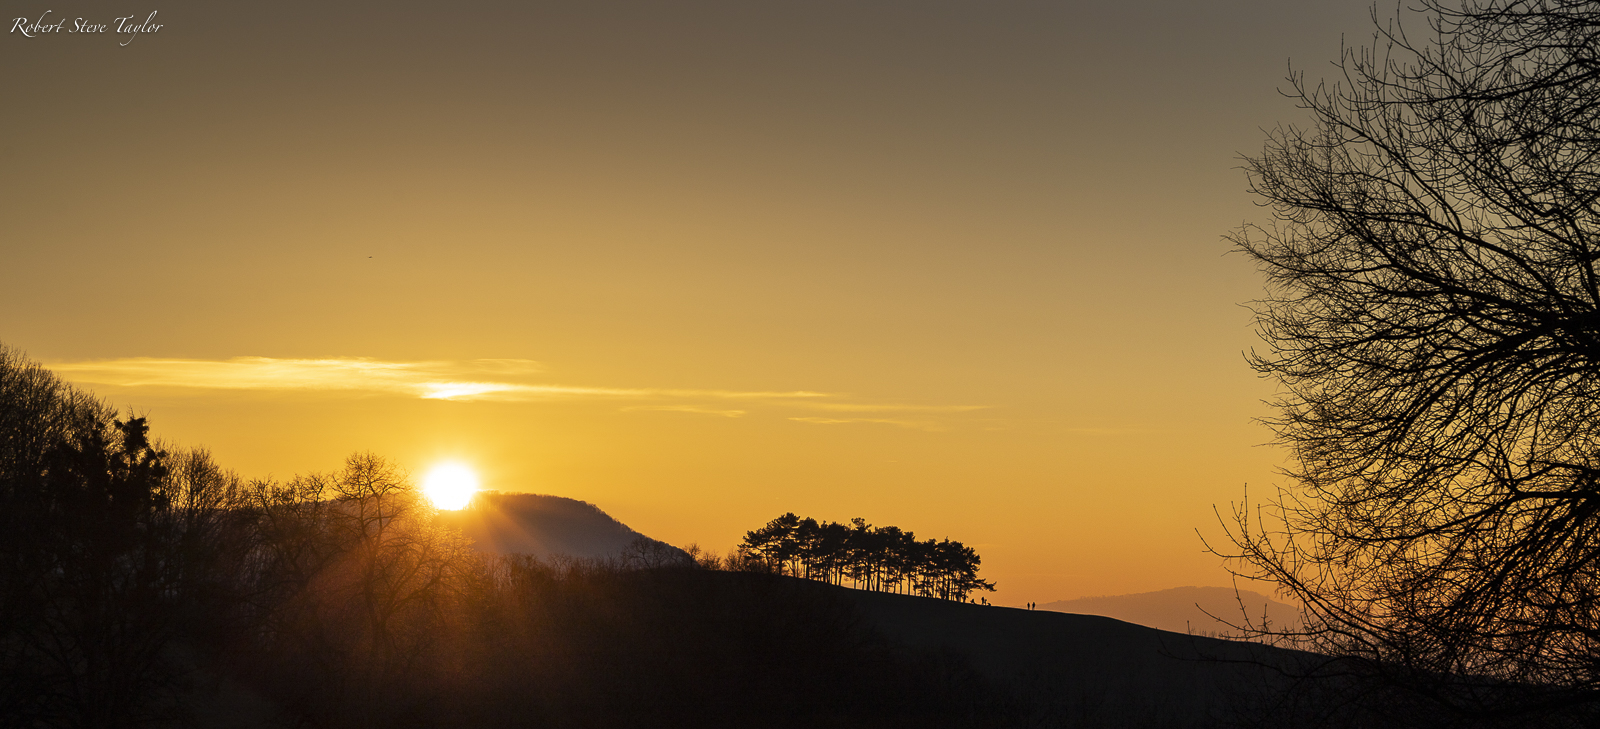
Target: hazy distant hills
{"points": [[1184, 609], [546, 527]]}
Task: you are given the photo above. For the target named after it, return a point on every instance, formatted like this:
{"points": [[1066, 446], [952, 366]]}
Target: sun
{"points": [[450, 486]]}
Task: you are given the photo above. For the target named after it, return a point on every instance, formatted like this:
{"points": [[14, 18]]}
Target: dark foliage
{"points": [[407, 628], [142, 585], [873, 558], [111, 550]]}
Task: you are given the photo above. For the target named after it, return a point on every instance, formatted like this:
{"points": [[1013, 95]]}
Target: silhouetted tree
{"points": [[134, 575], [873, 558], [1433, 320], [358, 581], [643, 552], [111, 550]]}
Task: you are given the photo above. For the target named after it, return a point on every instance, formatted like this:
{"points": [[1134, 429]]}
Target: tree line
{"points": [[143, 584], [885, 559]]}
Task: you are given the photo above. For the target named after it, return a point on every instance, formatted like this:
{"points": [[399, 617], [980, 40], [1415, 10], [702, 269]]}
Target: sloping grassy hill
{"points": [[598, 646], [1092, 671], [1185, 609]]}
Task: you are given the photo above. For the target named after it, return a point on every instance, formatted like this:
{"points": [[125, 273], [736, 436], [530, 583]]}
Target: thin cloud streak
{"points": [[852, 407], [482, 380], [684, 409], [266, 373], [1110, 431], [916, 424], [506, 391], [431, 380]]}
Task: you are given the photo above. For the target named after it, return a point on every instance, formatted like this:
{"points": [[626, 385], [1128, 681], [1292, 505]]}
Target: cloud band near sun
{"points": [[433, 380], [473, 380]]}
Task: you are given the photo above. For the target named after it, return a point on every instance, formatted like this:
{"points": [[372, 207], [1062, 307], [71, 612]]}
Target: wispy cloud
{"points": [[488, 379], [1108, 431], [472, 380], [866, 407], [686, 409], [917, 424], [265, 373]]}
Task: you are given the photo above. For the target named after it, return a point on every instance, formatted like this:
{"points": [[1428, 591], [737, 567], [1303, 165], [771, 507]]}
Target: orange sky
{"points": [[954, 267]]}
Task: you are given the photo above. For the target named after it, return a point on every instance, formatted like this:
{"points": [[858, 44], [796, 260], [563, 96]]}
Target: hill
{"points": [[1200, 610], [1093, 671], [552, 527], [1045, 667]]}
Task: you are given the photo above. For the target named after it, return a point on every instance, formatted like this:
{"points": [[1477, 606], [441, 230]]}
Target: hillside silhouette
{"points": [[1201, 610], [1092, 671], [143, 584], [551, 527]]}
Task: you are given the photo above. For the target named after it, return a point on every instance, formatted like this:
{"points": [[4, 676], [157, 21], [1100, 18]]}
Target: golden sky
{"points": [[954, 267]]}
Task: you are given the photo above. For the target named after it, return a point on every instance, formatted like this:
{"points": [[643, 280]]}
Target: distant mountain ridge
{"points": [[1185, 609], [551, 526]]}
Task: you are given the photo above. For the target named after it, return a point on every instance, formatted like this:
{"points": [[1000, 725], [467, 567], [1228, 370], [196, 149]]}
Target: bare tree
{"points": [[352, 573], [1433, 320]]}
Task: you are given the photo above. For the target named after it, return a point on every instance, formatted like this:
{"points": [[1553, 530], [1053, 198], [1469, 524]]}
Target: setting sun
{"points": [[450, 486]]}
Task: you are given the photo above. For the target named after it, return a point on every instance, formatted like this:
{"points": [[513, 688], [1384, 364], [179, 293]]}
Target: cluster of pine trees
{"points": [[886, 559]]}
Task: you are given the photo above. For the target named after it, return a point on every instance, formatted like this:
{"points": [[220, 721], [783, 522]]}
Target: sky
{"points": [[956, 267]]}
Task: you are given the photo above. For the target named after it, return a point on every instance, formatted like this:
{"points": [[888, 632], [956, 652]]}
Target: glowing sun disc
{"points": [[450, 486]]}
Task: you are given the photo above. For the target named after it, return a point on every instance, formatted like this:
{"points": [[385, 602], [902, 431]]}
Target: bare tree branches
{"points": [[1433, 318]]}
